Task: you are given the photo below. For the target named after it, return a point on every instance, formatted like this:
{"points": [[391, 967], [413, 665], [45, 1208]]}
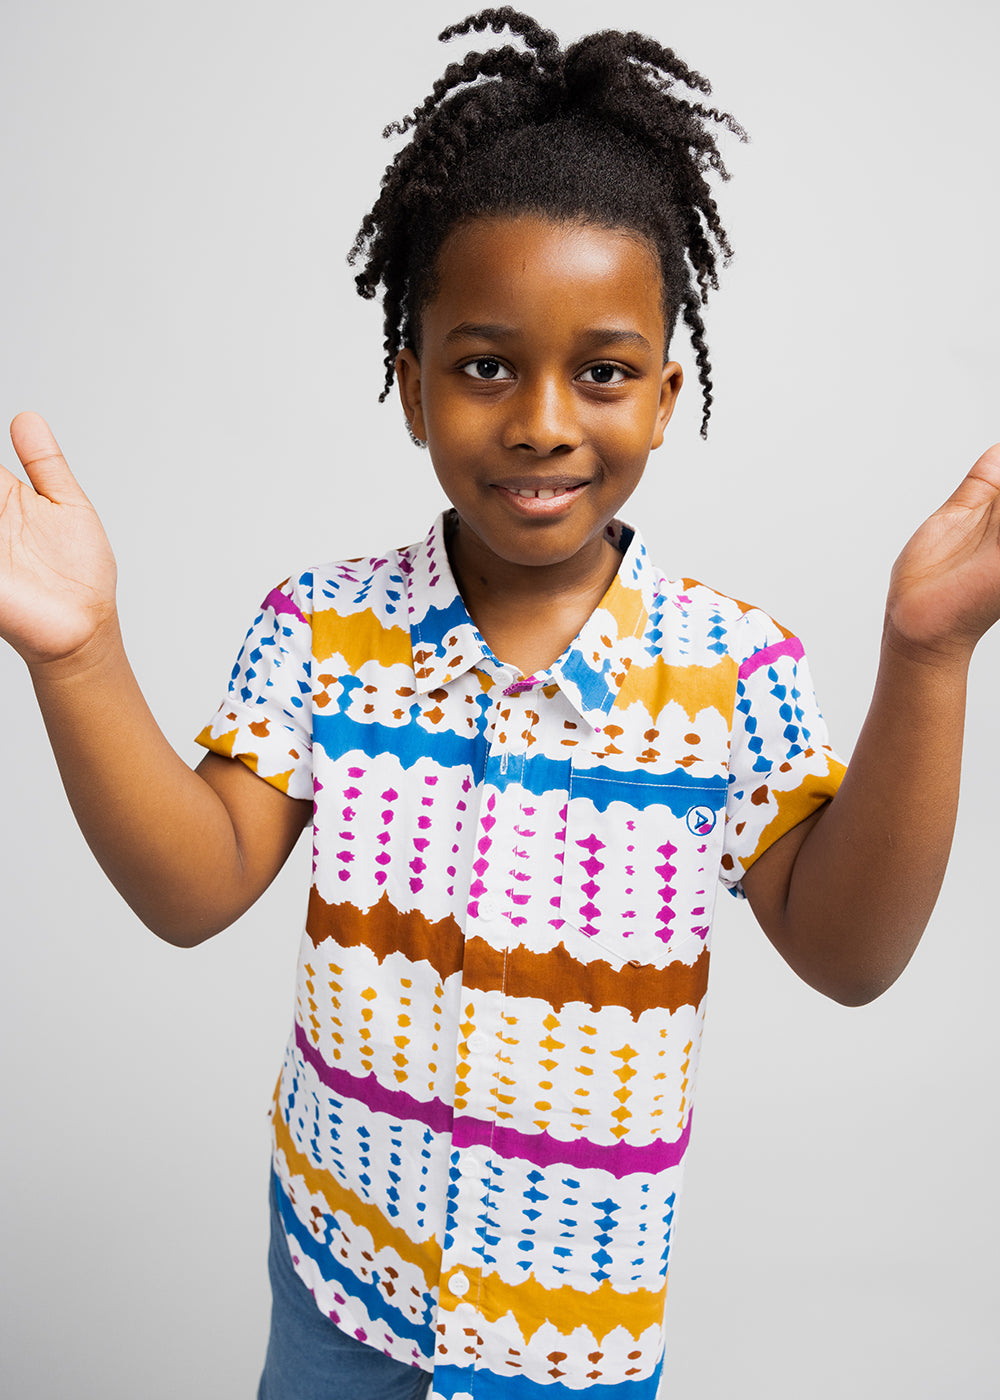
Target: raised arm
{"points": [[190, 850], [845, 896]]}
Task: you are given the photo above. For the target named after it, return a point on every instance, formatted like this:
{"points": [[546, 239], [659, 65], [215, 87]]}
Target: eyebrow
{"points": [[598, 335]]}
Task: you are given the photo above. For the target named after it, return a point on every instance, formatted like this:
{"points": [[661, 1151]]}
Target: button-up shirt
{"points": [[481, 1121]]}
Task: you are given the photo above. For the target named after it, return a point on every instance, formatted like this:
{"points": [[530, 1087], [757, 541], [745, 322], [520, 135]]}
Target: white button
{"points": [[460, 1285], [478, 1042], [488, 907]]}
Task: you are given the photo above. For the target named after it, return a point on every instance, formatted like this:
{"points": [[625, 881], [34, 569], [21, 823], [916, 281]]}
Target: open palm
{"points": [[57, 571], [945, 588]]}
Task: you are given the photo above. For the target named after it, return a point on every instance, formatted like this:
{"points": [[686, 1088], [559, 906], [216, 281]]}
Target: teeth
{"points": [[545, 494]]}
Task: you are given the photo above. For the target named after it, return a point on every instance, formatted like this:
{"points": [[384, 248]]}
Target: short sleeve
{"points": [[782, 767], [266, 717]]}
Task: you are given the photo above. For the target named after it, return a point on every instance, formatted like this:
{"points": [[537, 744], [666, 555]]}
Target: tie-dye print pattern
{"points": [[481, 1121]]}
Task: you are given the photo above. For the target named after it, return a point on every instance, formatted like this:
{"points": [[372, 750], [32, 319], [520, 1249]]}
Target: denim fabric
{"points": [[309, 1357]]}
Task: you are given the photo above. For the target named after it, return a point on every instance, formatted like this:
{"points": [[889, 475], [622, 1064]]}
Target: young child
{"points": [[526, 753]]}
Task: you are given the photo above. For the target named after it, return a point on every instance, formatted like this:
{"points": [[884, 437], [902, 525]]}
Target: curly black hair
{"points": [[595, 133]]}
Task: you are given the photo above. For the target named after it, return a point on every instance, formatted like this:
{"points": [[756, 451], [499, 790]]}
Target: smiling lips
{"points": [[541, 500]]}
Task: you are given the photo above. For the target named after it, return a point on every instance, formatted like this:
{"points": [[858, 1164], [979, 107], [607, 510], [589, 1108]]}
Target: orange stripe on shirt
{"points": [[566, 1308], [694, 688], [359, 637], [424, 1255]]}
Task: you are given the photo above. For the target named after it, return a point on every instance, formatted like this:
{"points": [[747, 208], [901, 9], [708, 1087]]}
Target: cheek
{"points": [[455, 430], [630, 437], [444, 409]]}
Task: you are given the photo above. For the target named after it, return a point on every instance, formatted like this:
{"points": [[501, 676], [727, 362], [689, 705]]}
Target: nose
{"points": [[543, 417]]}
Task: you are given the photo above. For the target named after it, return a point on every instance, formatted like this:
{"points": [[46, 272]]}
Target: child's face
{"points": [[541, 370]]}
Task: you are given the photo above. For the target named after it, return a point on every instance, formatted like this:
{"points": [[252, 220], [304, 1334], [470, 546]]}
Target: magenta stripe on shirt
{"points": [[280, 602], [542, 1149], [367, 1089], [788, 646]]}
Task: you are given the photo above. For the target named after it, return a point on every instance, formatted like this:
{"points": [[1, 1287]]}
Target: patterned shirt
{"points": [[481, 1120]]}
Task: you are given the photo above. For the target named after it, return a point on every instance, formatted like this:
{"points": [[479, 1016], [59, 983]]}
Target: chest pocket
{"points": [[641, 862]]}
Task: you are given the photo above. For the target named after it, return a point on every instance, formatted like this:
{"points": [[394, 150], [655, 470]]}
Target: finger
{"points": [[982, 484], [44, 464]]}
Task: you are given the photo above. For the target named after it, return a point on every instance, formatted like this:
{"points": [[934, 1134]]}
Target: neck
{"points": [[529, 614]]}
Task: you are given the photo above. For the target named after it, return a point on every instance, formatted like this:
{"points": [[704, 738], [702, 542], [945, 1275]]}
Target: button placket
{"points": [[502, 680], [519, 724], [479, 1055], [496, 837], [482, 1046], [510, 715]]}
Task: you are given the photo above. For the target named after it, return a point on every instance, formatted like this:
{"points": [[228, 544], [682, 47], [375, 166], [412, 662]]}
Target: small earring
{"points": [[417, 442]]}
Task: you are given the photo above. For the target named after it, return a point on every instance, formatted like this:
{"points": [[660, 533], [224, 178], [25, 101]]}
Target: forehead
{"points": [[528, 270]]}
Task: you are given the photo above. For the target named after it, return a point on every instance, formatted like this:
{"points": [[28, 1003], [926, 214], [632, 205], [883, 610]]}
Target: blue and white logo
{"points": [[701, 820]]}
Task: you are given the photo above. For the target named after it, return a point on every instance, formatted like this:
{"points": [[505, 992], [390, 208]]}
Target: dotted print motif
{"points": [[482, 1115]]}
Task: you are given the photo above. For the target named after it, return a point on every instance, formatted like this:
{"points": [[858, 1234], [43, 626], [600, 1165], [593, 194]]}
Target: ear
{"points": [[670, 387], [408, 384]]}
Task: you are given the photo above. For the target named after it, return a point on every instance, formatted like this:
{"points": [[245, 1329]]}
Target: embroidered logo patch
{"points": [[701, 820]]}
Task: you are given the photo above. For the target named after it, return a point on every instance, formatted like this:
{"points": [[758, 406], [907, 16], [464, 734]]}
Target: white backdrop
{"points": [[180, 185]]}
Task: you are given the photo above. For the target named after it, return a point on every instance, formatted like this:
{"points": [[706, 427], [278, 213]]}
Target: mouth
{"points": [[543, 493], [545, 498]]}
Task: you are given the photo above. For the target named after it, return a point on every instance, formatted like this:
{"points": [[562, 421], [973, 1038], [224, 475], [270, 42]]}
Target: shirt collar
{"points": [[590, 672], [445, 640], [592, 669]]}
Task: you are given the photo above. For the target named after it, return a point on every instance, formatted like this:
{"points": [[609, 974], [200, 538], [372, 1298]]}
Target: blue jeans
{"points": [[309, 1357]]}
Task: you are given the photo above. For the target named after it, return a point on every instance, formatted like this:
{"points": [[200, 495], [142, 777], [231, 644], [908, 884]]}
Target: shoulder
{"points": [[707, 625], [346, 588]]}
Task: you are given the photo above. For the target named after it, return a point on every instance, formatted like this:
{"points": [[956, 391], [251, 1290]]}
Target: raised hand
{"points": [[945, 587], [57, 571], [189, 851]]}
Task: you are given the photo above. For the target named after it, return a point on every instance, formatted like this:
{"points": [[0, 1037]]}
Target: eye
{"points": [[604, 374], [486, 367]]}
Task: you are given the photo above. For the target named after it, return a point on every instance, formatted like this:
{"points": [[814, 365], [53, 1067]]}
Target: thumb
{"points": [[43, 463], [981, 485]]}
